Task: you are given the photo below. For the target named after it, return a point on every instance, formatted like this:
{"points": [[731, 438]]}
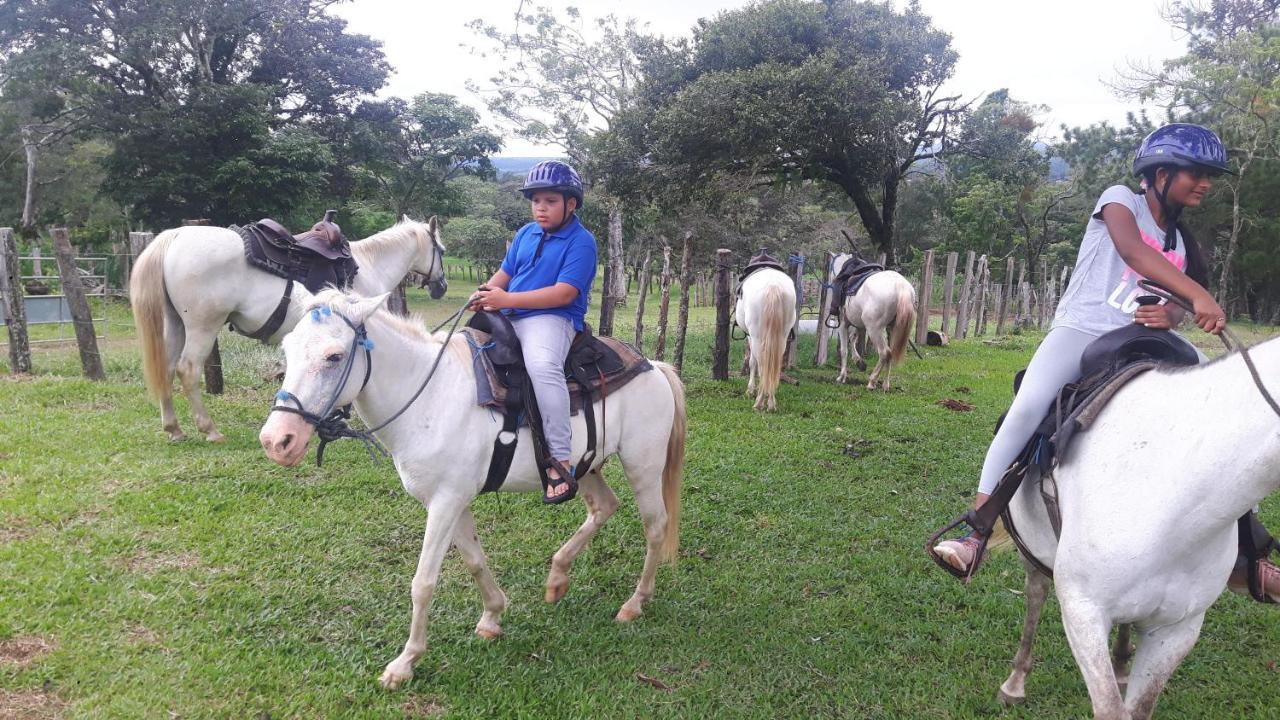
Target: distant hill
{"points": [[517, 165]]}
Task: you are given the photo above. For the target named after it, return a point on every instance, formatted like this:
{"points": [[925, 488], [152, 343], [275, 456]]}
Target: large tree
{"points": [[840, 91], [207, 102]]}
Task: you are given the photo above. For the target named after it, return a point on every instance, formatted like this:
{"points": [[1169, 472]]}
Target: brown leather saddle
{"points": [[318, 257], [760, 261], [595, 368]]}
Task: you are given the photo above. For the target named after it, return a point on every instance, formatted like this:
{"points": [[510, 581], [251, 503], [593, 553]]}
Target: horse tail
{"points": [[150, 299], [773, 340], [903, 319], [673, 470]]}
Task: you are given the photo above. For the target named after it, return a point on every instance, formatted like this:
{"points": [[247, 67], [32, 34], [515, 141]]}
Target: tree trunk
{"points": [[29, 203], [644, 291], [660, 349], [615, 286], [15, 308], [686, 279]]}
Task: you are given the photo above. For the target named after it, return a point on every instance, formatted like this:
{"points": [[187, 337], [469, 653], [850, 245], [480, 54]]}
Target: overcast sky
{"points": [[1059, 54]]}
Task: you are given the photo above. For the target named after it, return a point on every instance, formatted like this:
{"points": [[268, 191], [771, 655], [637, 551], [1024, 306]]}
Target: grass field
{"points": [[142, 578]]}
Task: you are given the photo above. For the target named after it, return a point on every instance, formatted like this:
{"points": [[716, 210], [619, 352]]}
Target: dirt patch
{"points": [[956, 405], [23, 650], [142, 635], [421, 707], [30, 705], [12, 531], [146, 562]]}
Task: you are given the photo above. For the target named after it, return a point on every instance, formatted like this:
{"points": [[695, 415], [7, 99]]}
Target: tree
{"points": [[561, 85], [839, 91]]}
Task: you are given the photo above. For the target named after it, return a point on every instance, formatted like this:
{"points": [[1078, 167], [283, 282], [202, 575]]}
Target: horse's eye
{"points": [[333, 358]]}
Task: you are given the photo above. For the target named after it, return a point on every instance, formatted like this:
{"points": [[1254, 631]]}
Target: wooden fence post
{"points": [[37, 262], [660, 349], [15, 308], [138, 241], [686, 279], [792, 341], [966, 295], [926, 290], [644, 290], [980, 304], [1024, 295], [720, 361], [948, 290], [81, 314], [824, 299]]}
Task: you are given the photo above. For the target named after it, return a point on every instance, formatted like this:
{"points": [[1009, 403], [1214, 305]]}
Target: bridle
{"points": [[331, 423], [437, 282], [1228, 338]]}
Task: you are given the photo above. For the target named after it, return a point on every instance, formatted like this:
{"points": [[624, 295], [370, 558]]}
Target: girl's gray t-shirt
{"points": [[1103, 289]]}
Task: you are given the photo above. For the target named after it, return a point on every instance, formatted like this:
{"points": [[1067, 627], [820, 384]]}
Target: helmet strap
{"points": [[1171, 214]]}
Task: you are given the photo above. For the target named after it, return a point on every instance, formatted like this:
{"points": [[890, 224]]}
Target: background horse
{"points": [[443, 442], [885, 302], [190, 281], [1149, 496], [766, 309]]}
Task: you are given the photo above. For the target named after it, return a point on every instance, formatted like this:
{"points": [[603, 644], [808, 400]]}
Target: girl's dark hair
{"points": [[1197, 268]]}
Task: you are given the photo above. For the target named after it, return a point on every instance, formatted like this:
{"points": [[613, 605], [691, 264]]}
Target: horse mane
{"points": [[377, 245], [414, 326]]}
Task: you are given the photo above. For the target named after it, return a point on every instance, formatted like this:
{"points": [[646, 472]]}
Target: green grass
{"points": [[203, 581]]}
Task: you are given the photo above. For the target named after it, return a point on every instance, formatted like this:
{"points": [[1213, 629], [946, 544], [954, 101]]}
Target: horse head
{"points": [[323, 355], [432, 271]]}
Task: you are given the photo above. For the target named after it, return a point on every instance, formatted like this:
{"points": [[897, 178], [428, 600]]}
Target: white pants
{"points": [[545, 341]]}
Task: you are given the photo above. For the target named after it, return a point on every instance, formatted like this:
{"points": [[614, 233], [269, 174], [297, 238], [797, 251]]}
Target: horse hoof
{"points": [[214, 436], [392, 679], [489, 632], [626, 614], [1008, 700], [177, 436], [555, 593]]}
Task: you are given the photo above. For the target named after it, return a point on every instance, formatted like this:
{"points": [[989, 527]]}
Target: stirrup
{"points": [[969, 518], [566, 476]]}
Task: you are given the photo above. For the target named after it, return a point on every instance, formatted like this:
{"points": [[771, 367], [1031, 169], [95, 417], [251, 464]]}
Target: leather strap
{"points": [[276, 321]]}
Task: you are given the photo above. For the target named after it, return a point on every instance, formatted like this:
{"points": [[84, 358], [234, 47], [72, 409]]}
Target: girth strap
{"points": [[276, 321]]}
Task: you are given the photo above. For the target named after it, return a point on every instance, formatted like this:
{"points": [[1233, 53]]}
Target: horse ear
{"points": [[405, 218], [432, 224], [362, 307]]}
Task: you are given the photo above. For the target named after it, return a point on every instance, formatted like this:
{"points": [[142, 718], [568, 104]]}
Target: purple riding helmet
{"points": [[556, 176]]}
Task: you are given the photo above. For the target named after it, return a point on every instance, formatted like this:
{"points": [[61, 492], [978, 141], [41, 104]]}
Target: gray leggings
{"points": [[545, 340], [1056, 362]]}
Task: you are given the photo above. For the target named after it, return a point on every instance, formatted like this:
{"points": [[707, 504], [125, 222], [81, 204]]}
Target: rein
{"points": [[331, 424], [1229, 339]]}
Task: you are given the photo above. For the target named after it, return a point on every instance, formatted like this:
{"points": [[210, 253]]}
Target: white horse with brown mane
{"points": [[444, 440], [883, 311], [1149, 499], [190, 281], [766, 310]]}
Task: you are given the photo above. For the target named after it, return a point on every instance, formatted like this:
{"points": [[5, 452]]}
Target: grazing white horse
{"points": [[443, 442], [767, 310], [190, 281], [1149, 497], [886, 301]]}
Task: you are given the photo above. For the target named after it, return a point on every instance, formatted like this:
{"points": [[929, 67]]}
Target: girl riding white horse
{"points": [[190, 281], [443, 442]]}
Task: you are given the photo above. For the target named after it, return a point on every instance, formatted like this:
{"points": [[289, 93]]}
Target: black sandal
{"points": [[566, 476]]}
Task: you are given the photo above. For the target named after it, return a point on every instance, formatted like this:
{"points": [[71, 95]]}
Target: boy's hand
{"points": [[489, 298], [1155, 317]]}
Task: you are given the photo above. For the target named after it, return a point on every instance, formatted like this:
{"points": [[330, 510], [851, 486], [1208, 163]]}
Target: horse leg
{"points": [[190, 366], [860, 348], [653, 512], [882, 357], [491, 596], [1121, 654], [746, 356], [442, 517], [1160, 651], [1087, 631], [175, 336], [749, 368], [601, 502], [1014, 689], [843, 333]]}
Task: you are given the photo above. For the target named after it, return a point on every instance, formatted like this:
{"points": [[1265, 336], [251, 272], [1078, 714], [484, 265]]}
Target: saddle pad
{"points": [[620, 362], [298, 262], [851, 276]]}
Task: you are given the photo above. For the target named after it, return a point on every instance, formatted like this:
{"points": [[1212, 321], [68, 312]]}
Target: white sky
{"points": [[1046, 52]]}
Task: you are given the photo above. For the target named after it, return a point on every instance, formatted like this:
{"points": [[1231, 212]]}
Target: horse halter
{"points": [[330, 423], [1228, 338], [439, 284]]}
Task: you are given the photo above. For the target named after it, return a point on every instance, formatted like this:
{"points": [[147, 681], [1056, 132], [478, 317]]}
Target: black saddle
{"points": [[594, 368], [760, 261], [849, 280], [321, 256]]}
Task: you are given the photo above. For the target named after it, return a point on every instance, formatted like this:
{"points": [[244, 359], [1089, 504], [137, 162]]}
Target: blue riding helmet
{"points": [[553, 175], [1182, 145]]}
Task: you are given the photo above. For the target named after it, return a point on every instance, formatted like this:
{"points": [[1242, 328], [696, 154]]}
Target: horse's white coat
{"points": [[193, 280], [443, 443], [767, 311], [886, 300], [1149, 498]]}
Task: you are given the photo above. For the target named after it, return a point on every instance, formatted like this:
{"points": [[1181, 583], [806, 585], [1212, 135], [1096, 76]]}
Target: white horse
{"points": [[190, 281], [886, 301], [1149, 497], [767, 311], [443, 443]]}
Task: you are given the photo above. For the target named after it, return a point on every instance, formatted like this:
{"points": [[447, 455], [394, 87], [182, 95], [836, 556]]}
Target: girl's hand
{"points": [[1155, 317], [491, 298], [1209, 315]]}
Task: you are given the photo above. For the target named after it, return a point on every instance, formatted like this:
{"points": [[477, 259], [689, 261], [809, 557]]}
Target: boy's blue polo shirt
{"points": [[568, 255]]}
